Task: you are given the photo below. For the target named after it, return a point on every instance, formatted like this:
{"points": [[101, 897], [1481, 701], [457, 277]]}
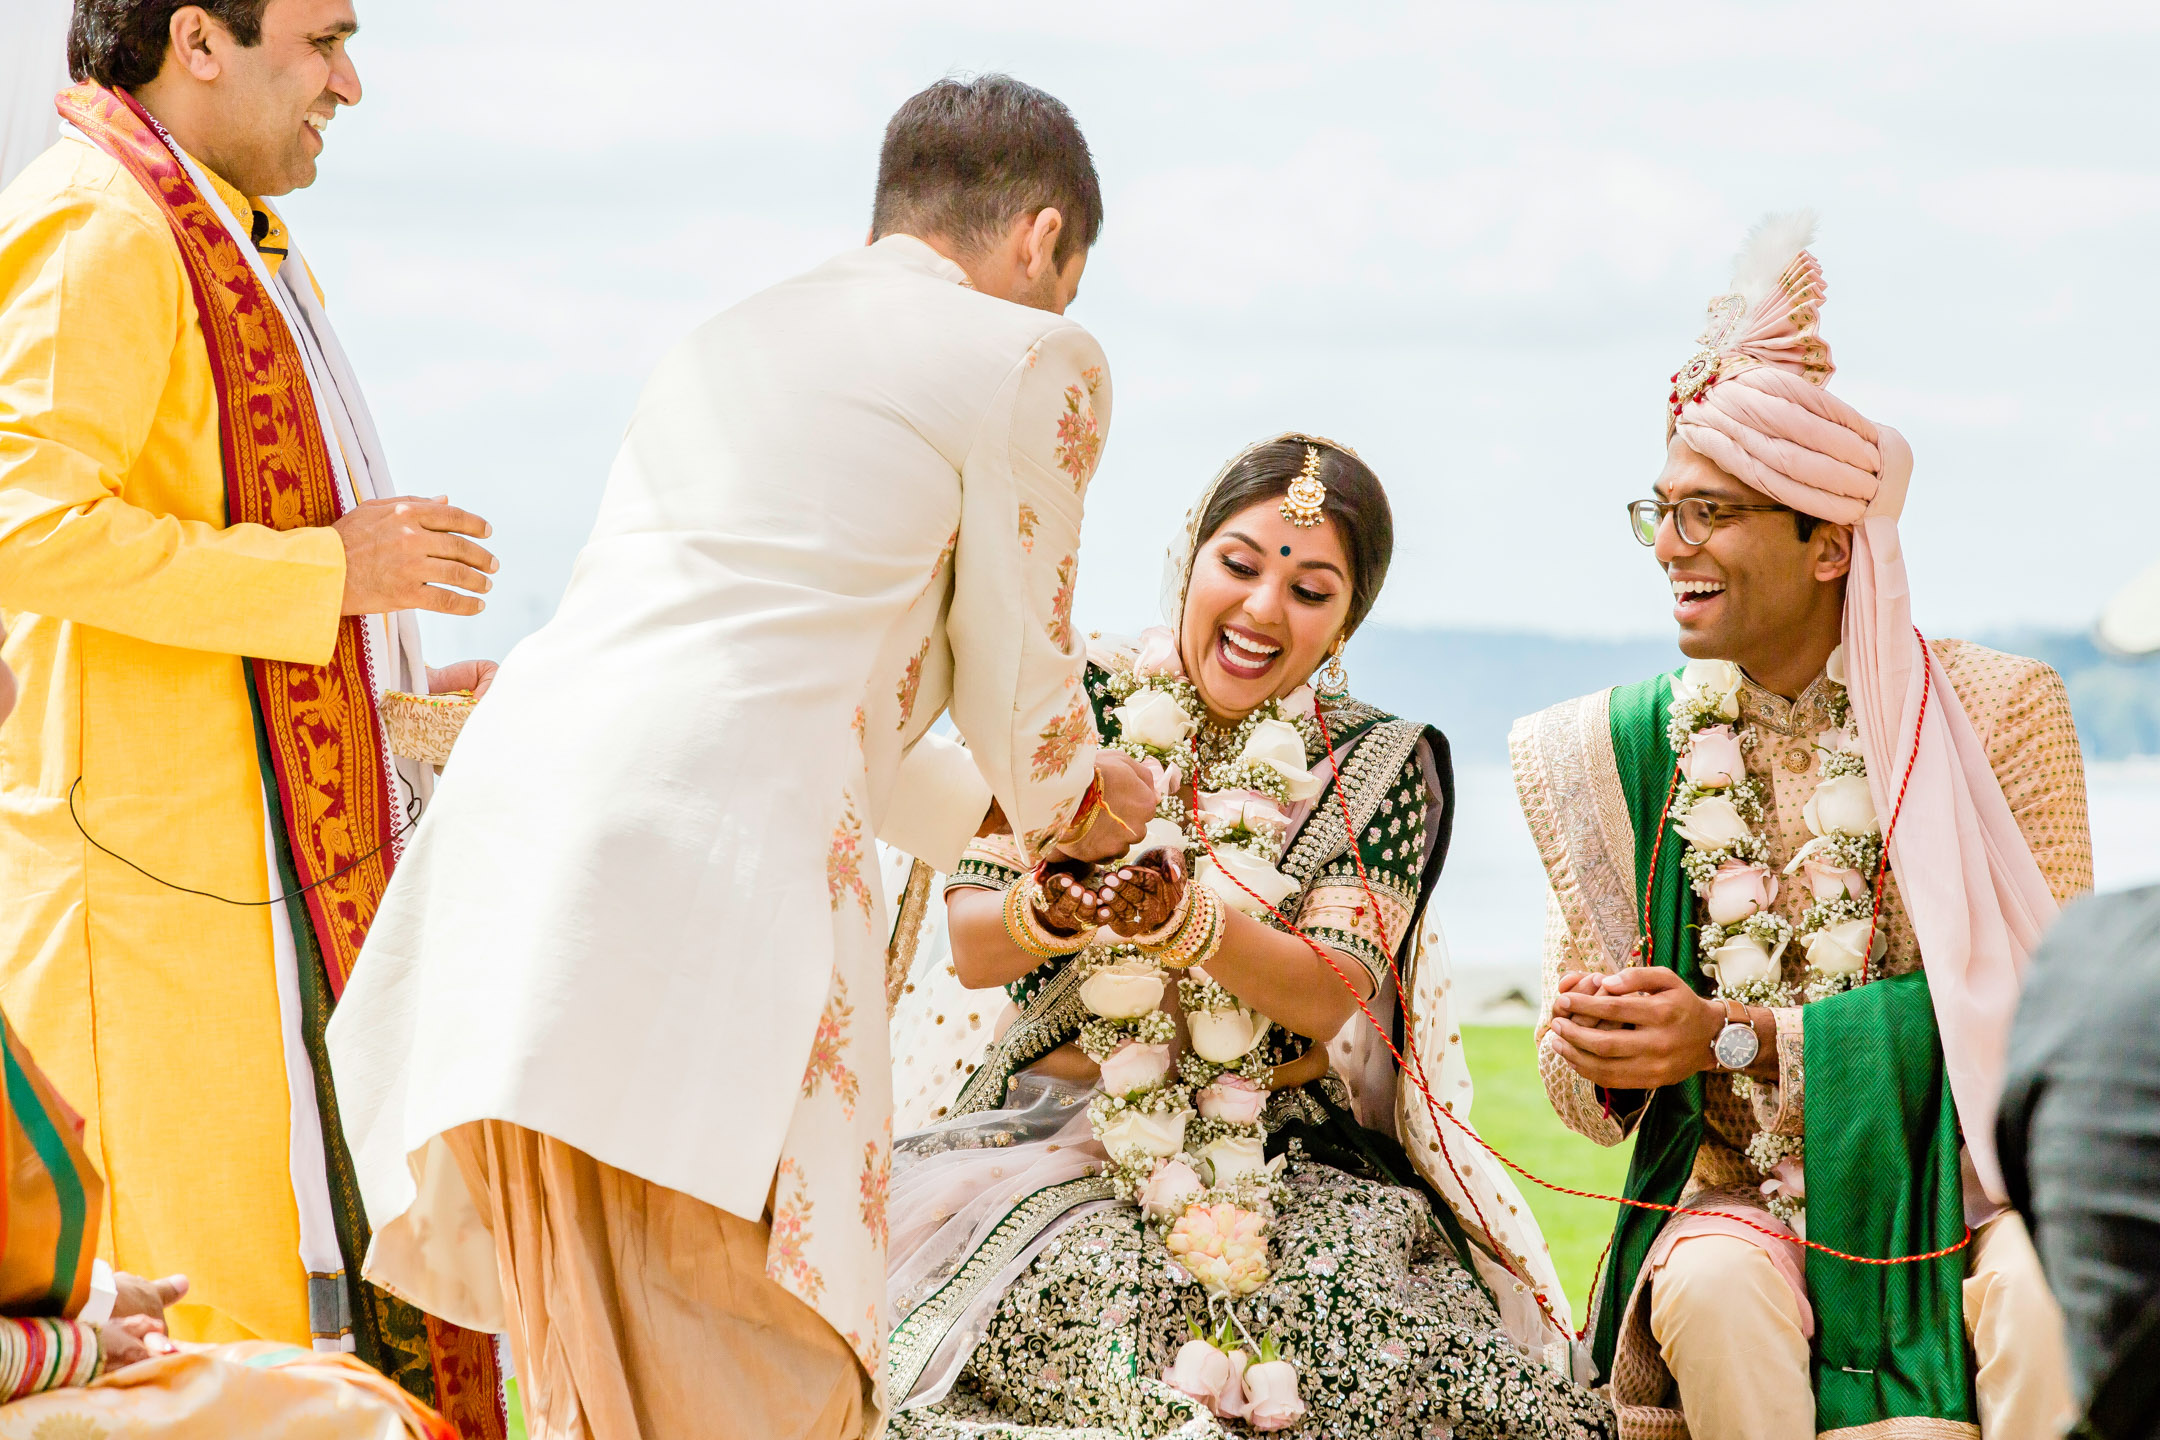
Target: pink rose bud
{"points": [[1133, 1066], [1166, 1191], [1713, 760], [1298, 703], [1232, 1098], [1739, 889], [1158, 653], [1229, 1402], [1271, 1398], [1788, 1178], [1199, 1370], [1833, 882]]}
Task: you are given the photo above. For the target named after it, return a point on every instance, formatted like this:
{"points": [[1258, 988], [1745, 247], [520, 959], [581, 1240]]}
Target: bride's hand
{"points": [[1069, 905], [1141, 897]]}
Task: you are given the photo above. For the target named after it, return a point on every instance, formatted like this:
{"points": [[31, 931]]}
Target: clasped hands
{"points": [[135, 1331], [1634, 1030], [1132, 899]]}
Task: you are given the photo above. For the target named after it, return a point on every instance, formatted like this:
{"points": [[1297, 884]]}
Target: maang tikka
{"points": [[1305, 505]]}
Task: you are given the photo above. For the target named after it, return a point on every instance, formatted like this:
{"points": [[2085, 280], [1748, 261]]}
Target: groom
{"points": [[1726, 822], [614, 1062]]}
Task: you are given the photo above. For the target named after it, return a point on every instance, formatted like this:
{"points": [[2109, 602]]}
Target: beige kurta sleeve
{"points": [[1017, 662], [92, 305], [2032, 747], [1574, 1099], [938, 802]]}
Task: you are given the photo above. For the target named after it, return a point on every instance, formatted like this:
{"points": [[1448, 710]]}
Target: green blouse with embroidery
{"points": [[1391, 848]]}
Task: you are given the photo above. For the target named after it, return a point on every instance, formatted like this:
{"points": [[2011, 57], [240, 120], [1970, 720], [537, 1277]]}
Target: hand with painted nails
{"points": [[1140, 898], [1071, 902]]}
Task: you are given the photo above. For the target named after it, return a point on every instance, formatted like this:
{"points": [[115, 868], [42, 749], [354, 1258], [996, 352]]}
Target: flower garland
{"points": [[1184, 1132], [1716, 809]]}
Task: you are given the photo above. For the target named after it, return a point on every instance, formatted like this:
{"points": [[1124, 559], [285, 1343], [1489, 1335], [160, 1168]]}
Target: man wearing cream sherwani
{"points": [[204, 569], [614, 1064]]}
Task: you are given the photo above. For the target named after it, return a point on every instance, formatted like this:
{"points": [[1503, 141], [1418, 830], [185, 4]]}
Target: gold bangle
{"points": [[1024, 927], [1201, 934], [1166, 932]]}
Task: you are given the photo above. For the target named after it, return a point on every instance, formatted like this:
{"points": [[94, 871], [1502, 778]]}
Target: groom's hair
{"points": [[964, 157], [121, 43]]}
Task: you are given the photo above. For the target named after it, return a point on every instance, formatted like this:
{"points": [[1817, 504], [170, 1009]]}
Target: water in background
{"points": [[1492, 894]]}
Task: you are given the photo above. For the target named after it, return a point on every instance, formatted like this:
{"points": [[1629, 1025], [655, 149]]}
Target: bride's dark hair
{"points": [[1355, 502]]}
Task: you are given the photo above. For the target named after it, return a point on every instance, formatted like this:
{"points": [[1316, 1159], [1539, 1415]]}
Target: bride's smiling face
{"points": [[1265, 602]]}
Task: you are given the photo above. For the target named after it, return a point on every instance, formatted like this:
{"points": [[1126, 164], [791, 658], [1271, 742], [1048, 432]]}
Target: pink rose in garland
{"points": [[1158, 653], [1232, 1098], [1173, 1183], [1738, 890], [1198, 1370], [1133, 1066], [1713, 759]]}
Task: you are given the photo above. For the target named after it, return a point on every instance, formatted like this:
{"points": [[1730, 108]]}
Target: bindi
{"points": [[1286, 552]]}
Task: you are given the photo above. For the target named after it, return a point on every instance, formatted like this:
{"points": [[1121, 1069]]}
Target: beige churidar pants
{"points": [[1729, 1330], [638, 1313]]}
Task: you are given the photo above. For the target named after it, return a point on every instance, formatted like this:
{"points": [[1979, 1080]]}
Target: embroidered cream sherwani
{"points": [[642, 915]]}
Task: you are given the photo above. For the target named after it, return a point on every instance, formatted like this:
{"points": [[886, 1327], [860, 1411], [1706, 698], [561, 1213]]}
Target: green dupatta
{"points": [[1882, 1145]]}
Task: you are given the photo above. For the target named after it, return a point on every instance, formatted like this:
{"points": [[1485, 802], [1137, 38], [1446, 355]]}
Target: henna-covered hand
{"points": [[1070, 902], [1141, 897]]}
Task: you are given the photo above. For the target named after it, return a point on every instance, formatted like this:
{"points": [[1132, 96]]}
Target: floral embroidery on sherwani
{"points": [[911, 684], [844, 862], [877, 1186], [1079, 438], [937, 568], [1028, 521], [1061, 740], [825, 1062], [1061, 603], [860, 725], [786, 1255]]}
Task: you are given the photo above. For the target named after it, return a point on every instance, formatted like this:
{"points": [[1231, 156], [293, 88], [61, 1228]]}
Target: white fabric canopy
{"points": [[33, 68]]}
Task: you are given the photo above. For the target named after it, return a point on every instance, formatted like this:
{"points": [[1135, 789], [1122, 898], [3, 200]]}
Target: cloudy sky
{"points": [[1472, 241]]}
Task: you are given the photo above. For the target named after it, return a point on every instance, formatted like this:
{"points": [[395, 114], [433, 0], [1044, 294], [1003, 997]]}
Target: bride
{"points": [[1177, 1196]]}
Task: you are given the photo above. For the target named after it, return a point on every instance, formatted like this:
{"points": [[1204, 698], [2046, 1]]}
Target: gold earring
{"points": [[1332, 684]]}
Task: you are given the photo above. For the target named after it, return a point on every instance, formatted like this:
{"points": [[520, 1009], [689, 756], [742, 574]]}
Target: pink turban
{"points": [[1752, 402]]}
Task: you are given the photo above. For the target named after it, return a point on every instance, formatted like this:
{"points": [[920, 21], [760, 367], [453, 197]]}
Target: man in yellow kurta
{"points": [[141, 776]]}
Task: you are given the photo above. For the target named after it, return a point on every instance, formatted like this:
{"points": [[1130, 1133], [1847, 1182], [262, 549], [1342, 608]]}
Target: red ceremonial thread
{"points": [[1415, 1065], [1882, 862]]}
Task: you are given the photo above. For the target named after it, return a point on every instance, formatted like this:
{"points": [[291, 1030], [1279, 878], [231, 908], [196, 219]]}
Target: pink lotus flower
{"points": [[1158, 653], [1271, 1396], [1738, 890], [1166, 1191], [1232, 1098], [1713, 759], [1198, 1370], [1222, 1247], [1833, 882], [1133, 1066]]}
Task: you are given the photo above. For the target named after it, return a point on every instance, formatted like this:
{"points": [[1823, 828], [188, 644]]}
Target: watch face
{"points": [[1736, 1047]]}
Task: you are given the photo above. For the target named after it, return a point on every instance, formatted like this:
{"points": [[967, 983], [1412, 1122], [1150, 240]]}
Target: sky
{"points": [[1472, 241]]}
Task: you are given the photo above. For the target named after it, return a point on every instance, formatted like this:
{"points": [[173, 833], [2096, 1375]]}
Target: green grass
{"points": [[1516, 1119]]}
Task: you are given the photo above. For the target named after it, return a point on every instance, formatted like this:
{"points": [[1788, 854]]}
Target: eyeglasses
{"points": [[1693, 517]]}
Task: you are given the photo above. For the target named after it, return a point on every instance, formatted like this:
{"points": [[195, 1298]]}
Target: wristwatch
{"points": [[1737, 1044]]}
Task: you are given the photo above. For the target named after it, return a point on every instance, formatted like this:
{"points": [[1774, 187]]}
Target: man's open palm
{"points": [[406, 553]]}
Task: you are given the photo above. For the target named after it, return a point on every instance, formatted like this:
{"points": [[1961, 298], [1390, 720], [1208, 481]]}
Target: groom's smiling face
{"points": [[1266, 600]]}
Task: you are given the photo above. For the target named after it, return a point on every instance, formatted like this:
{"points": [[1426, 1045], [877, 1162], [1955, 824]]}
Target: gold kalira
{"points": [[1304, 506]]}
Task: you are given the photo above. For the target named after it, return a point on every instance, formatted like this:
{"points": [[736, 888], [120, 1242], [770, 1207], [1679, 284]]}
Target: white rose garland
{"points": [[1200, 1175], [1717, 811]]}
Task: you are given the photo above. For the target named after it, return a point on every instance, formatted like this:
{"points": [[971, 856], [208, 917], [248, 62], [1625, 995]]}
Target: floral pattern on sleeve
{"points": [[826, 1062], [787, 1258], [844, 863], [1079, 438]]}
